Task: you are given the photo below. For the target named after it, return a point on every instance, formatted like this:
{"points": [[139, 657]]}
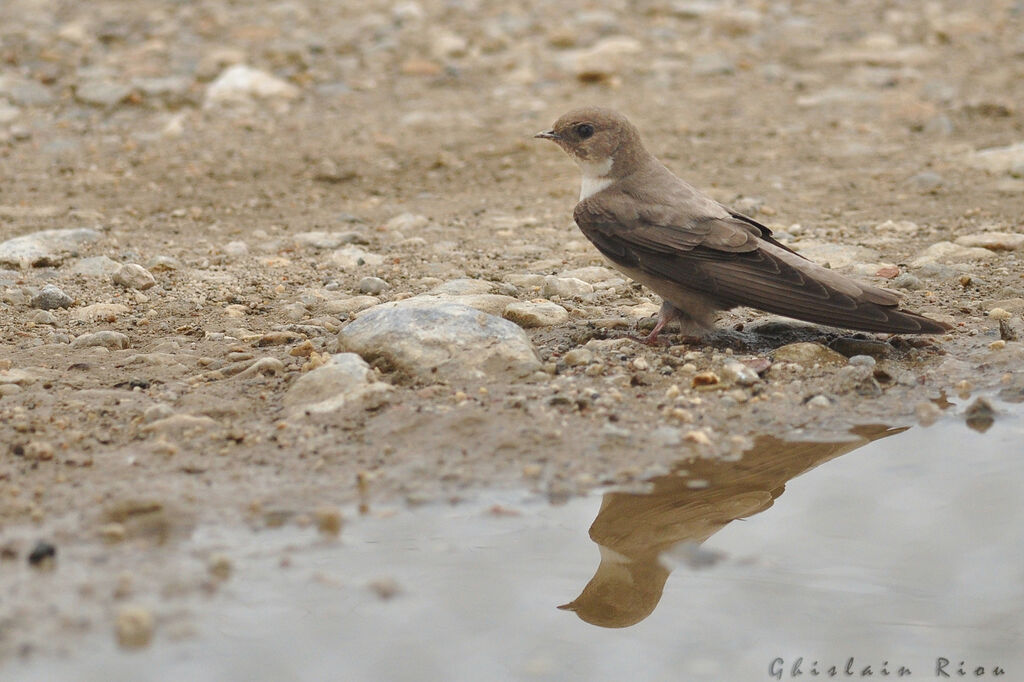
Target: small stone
{"points": [[927, 412], [112, 533], [328, 520], [699, 436], [48, 247], [236, 249], [279, 338], [39, 451], [531, 314], [927, 181], [329, 171], [43, 555], [463, 287], [999, 314], [240, 84], [862, 361], [998, 159], [219, 566], [51, 297], [948, 252], [107, 339], [994, 241], [353, 257], [807, 354], [101, 93], [98, 266], [134, 627], [604, 60], [371, 285], [907, 282], [666, 436], [980, 415], [107, 312], [705, 379], [345, 306], [134, 276], [565, 287], [44, 317], [344, 382], [385, 588], [738, 373], [850, 346], [713, 64], [578, 356], [442, 341], [407, 222], [819, 402]]}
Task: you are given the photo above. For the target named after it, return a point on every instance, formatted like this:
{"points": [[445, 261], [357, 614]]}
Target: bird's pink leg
{"points": [[667, 314]]}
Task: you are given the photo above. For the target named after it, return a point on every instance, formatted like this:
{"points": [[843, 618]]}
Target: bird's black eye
{"points": [[584, 130]]}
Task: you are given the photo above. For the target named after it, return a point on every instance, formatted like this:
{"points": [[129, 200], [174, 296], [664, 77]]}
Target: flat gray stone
{"points": [[442, 342], [535, 313], [346, 382], [47, 247], [106, 338], [51, 297]]}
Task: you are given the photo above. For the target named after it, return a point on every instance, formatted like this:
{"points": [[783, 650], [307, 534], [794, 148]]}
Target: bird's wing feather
{"points": [[736, 261]]}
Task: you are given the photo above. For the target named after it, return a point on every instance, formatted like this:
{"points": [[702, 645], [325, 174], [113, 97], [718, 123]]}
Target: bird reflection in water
{"points": [[633, 530]]}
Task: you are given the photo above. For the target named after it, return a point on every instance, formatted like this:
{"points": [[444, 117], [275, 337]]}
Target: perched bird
{"points": [[698, 255]]}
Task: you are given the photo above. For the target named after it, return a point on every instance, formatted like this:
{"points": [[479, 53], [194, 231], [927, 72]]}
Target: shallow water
{"points": [[896, 548]]}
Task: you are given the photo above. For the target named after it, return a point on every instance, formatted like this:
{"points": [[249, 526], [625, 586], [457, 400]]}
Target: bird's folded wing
{"points": [[733, 261]]}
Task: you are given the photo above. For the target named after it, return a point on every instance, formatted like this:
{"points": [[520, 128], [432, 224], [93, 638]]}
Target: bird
{"points": [[698, 255]]}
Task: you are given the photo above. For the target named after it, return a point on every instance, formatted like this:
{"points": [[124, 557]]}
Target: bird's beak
{"points": [[548, 135]]}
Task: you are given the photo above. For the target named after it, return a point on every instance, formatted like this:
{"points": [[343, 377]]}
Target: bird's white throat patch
{"points": [[595, 176]]}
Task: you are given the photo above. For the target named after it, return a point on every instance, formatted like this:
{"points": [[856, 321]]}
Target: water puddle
{"points": [[899, 548]]}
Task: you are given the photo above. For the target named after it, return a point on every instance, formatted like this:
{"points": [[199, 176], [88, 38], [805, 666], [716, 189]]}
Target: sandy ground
{"points": [[404, 130]]}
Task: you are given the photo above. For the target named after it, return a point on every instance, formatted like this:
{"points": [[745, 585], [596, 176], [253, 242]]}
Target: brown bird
{"points": [[698, 255]]}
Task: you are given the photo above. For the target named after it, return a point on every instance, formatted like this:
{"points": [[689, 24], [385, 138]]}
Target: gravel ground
{"points": [[203, 204]]}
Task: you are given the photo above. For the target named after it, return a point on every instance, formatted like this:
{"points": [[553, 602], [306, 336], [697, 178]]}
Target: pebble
{"points": [[738, 373], [371, 285], [927, 413], [850, 346], [219, 566], [279, 338], [43, 555], [107, 312], [241, 84], [106, 339], [907, 282], [354, 304], [948, 252], [565, 287], [97, 266], [994, 241], [44, 317], [666, 436], [998, 159], [819, 402], [980, 415], [134, 626], [492, 304], [329, 520], [353, 257], [530, 314], [927, 181], [134, 276], [703, 379], [463, 287], [319, 239], [407, 222], [345, 382], [836, 255], [51, 297], [47, 247], [862, 361], [807, 354], [25, 92], [102, 93], [604, 60], [442, 342], [236, 249], [578, 357]]}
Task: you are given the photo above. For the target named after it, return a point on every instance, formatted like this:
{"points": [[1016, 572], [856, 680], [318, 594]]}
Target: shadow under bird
{"points": [[698, 255]]}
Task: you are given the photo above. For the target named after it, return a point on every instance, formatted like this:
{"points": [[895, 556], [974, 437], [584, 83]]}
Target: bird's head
{"points": [[596, 137]]}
